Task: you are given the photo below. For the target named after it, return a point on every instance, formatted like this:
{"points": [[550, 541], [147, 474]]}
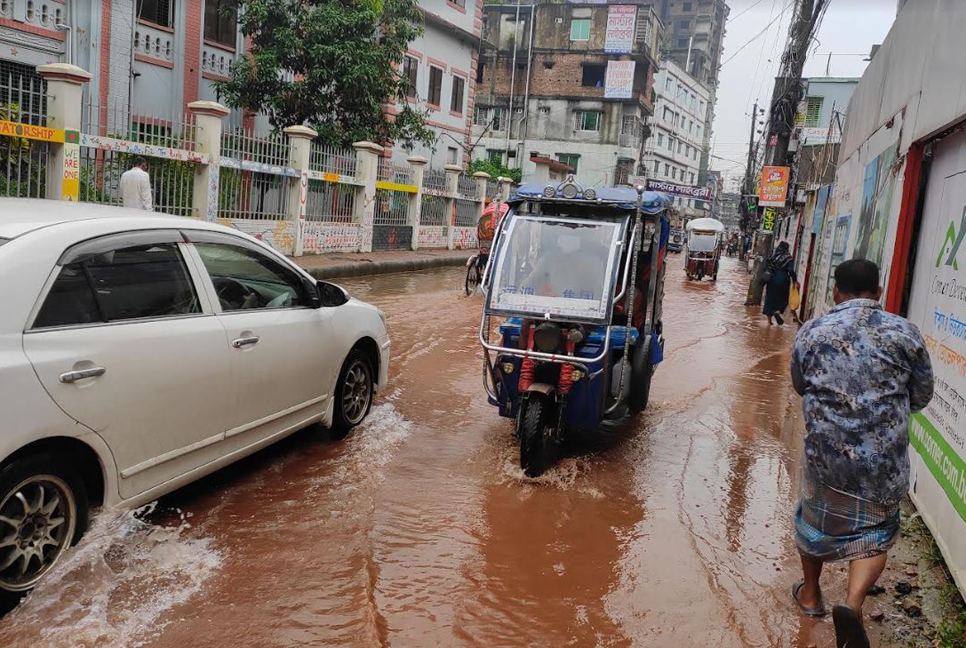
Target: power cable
{"points": [[758, 35], [742, 13]]}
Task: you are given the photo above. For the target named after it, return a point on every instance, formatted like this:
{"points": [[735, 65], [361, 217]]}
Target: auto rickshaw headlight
{"points": [[570, 190], [590, 194], [547, 337], [549, 191]]}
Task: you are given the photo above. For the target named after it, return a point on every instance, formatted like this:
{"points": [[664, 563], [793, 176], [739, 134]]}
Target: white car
{"points": [[139, 352]]}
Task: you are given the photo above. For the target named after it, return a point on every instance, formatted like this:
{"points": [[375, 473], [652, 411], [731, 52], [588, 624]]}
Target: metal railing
{"points": [[433, 211], [243, 144], [434, 181], [251, 195], [466, 186], [330, 159], [390, 172], [391, 208], [115, 120], [172, 181], [23, 162], [329, 202], [466, 214], [492, 189]]}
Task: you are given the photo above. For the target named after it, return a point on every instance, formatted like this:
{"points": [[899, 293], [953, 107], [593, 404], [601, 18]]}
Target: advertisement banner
{"points": [[937, 435], [774, 186], [699, 193], [621, 20], [619, 80], [768, 217]]}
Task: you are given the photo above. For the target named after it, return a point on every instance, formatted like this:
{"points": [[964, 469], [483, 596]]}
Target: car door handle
{"points": [[69, 377], [244, 341]]}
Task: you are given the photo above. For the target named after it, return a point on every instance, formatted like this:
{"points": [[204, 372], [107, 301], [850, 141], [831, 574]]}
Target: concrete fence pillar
{"points": [[65, 87], [299, 151], [418, 165], [208, 117], [367, 172], [453, 172], [482, 178]]}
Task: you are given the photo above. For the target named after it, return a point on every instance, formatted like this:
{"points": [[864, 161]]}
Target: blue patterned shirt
{"points": [[860, 370]]}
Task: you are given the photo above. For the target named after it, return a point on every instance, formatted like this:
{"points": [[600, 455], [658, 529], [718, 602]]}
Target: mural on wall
{"points": [[279, 234], [840, 242], [878, 187], [464, 238]]}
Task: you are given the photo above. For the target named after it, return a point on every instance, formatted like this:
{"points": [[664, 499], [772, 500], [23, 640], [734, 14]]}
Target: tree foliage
{"points": [[331, 64], [495, 169]]}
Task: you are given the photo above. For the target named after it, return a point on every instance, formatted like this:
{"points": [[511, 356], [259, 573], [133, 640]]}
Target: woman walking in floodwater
{"points": [[779, 276]]}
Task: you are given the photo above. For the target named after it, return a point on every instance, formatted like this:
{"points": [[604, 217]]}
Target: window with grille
{"points": [[587, 120], [435, 85], [570, 159], [157, 11], [410, 74], [456, 103], [221, 22], [481, 116], [580, 29], [813, 110]]}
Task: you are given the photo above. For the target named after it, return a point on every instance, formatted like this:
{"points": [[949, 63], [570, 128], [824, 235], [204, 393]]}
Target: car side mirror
{"points": [[331, 295]]}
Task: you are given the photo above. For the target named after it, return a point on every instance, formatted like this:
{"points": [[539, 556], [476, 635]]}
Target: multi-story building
{"points": [[730, 212], [568, 81], [695, 31], [153, 57], [674, 148]]}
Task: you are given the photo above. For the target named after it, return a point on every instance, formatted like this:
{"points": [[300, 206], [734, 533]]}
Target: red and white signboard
{"points": [[621, 20], [619, 80]]}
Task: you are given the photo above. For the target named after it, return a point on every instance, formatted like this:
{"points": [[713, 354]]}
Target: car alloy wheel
{"points": [[37, 522], [356, 392]]}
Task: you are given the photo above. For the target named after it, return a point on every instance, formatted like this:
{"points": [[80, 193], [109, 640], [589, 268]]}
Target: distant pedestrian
{"points": [[861, 371], [136, 186], [779, 275]]}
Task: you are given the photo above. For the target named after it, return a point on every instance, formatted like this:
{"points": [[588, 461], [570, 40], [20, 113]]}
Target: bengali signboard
{"points": [[768, 217], [619, 80], [938, 306], [698, 193], [774, 186], [621, 20]]}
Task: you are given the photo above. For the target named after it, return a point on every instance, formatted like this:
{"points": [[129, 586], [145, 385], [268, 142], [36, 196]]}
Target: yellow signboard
{"points": [[395, 186], [70, 189], [29, 131], [768, 220]]}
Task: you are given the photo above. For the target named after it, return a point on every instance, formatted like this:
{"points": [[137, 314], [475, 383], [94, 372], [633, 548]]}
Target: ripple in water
{"points": [[114, 586]]}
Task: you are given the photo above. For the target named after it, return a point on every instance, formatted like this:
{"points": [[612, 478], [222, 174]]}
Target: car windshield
{"points": [[701, 242], [556, 266]]}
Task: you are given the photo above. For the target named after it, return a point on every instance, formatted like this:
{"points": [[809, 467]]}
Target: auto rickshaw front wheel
{"points": [[641, 372], [535, 443]]}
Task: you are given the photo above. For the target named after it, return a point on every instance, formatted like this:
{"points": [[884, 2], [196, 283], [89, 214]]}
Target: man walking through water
{"points": [[860, 370]]}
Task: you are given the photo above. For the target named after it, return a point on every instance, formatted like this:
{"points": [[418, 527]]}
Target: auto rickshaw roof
{"points": [[623, 198], [706, 224]]}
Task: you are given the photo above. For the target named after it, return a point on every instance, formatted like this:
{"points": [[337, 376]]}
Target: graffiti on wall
{"points": [[392, 237], [464, 238], [279, 234], [329, 237], [433, 237], [138, 148]]}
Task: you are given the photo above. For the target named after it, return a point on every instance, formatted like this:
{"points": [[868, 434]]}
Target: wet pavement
{"points": [[672, 529]]}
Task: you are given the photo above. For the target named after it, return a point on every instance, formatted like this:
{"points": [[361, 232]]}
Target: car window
{"points": [[246, 279], [128, 283]]}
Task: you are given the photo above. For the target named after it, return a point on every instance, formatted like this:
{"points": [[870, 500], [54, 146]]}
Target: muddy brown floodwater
{"points": [[674, 529]]}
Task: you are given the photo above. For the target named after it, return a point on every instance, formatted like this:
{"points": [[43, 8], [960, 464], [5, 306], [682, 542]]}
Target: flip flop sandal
{"points": [[807, 611], [849, 631]]}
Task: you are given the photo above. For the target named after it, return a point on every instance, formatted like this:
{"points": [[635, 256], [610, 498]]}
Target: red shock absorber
{"points": [[527, 367], [567, 371]]}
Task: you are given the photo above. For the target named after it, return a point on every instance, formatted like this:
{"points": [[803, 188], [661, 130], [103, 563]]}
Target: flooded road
{"points": [[420, 529]]}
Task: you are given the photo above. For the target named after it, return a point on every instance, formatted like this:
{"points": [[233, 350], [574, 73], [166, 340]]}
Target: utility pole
{"points": [[749, 184], [787, 94]]}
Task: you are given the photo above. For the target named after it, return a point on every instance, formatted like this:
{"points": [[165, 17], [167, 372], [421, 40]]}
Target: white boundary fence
{"points": [[285, 189]]}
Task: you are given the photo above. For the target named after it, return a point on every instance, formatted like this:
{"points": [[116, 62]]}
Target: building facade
{"points": [[571, 82], [151, 58], [676, 143]]}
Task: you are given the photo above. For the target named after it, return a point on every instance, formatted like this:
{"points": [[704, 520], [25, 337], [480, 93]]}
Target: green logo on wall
{"points": [[952, 243]]}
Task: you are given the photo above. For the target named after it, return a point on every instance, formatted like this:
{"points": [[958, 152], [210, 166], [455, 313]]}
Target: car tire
{"points": [[353, 394], [35, 492]]}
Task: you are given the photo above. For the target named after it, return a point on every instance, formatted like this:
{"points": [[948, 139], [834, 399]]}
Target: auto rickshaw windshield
{"points": [[702, 242], [556, 266]]}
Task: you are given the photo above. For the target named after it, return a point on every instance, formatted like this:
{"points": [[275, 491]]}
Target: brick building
{"points": [[572, 82], [153, 57]]}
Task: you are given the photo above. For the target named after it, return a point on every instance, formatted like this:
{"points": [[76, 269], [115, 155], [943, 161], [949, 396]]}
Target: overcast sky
{"points": [[850, 28]]}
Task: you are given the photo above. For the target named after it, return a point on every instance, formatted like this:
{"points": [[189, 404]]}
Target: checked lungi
{"points": [[833, 526]]}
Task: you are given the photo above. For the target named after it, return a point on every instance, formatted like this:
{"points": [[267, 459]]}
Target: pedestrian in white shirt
{"points": [[136, 186]]}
